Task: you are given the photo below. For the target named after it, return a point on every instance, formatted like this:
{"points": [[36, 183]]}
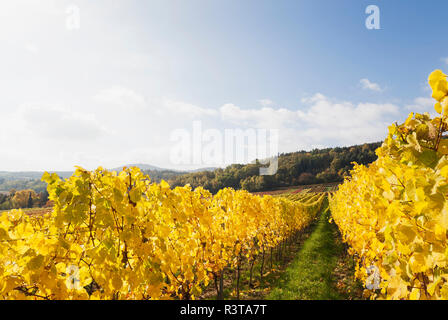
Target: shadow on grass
{"points": [[321, 270], [315, 267], [261, 286]]}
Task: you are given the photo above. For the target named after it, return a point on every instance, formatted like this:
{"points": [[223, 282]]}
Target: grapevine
{"points": [[118, 236], [394, 213]]}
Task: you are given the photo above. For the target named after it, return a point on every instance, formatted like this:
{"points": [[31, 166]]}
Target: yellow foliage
{"points": [[117, 236], [393, 213]]}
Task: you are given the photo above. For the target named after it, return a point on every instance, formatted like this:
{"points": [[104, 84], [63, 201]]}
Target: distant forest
{"points": [[32, 184], [296, 168]]}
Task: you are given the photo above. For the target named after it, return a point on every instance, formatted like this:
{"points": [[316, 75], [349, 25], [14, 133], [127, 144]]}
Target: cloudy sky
{"points": [[107, 82]]}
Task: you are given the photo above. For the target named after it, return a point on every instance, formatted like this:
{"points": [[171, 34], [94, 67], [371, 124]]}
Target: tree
{"points": [[43, 198], [12, 192], [319, 165], [306, 178], [21, 199], [248, 184], [328, 176], [30, 201]]}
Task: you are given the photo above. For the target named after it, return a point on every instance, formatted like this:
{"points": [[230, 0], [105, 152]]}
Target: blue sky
{"points": [[114, 90]]}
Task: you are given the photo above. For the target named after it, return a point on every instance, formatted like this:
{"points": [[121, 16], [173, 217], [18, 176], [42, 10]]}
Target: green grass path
{"points": [[311, 275]]}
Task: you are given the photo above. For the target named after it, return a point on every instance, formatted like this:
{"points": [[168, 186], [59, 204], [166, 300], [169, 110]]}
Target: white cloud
{"points": [[368, 85], [32, 48], [422, 104], [118, 96], [119, 125], [265, 102], [314, 98], [322, 121], [260, 118], [445, 60], [127, 99], [185, 109], [37, 136], [59, 122]]}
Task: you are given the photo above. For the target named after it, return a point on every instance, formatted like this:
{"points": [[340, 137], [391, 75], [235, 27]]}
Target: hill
{"points": [[23, 180], [142, 166], [295, 168]]}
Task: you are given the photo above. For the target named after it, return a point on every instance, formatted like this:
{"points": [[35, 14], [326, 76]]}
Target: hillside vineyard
{"points": [[119, 236]]}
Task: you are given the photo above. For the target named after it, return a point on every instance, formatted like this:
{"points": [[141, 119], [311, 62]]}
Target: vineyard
{"points": [[119, 236], [316, 188], [32, 211], [394, 213]]}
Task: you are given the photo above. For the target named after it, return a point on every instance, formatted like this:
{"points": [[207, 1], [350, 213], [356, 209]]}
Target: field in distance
{"points": [[32, 211], [315, 188]]}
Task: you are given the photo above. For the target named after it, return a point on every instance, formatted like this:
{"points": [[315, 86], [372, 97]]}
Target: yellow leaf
{"points": [[164, 184], [117, 283], [4, 234], [415, 294], [435, 77], [444, 172]]}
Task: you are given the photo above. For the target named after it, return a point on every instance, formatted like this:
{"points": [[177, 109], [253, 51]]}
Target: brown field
{"points": [[321, 187], [33, 211]]}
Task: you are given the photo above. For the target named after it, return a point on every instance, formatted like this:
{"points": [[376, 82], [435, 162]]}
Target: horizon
{"points": [[181, 171], [107, 83]]}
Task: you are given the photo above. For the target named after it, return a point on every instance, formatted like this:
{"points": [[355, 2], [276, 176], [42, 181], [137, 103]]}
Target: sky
{"points": [[111, 82]]}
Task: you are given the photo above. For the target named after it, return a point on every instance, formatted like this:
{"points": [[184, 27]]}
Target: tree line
{"points": [[295, 168], [20, 199]]}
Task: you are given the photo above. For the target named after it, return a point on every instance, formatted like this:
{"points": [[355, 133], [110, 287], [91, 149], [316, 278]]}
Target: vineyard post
{"points": [[221, 285], [252, 263], [238, 270], [218, 293], [278, 252], [186, 294], [262, 265]]}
